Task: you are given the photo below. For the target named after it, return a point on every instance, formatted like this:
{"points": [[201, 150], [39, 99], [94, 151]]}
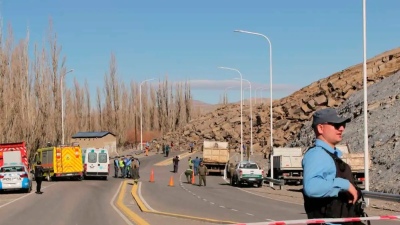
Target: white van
{"points": [[96, 163]]}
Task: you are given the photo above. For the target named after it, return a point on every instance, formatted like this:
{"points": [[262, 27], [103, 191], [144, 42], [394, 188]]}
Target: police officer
{"points": [[329, 189], [38, 176]]}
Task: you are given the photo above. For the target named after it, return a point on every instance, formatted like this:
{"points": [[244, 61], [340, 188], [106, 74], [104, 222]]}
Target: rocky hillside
{"points": [[289, 113], [293, 113], [383, 131]]}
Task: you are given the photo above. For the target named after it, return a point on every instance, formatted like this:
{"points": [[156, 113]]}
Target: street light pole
{"points": [[366, 151], [141, 116], [241, 109], [251, 116], [270, 83], [62, 105]]}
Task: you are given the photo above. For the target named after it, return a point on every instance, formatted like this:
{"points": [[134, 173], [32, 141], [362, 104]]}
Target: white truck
{"points": [[215, 156], [287, 164], [247, 172], [355, 161]]}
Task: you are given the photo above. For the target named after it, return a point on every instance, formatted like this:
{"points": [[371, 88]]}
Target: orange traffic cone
{"points": [[171, 181], [193, 177], [151, 176]]}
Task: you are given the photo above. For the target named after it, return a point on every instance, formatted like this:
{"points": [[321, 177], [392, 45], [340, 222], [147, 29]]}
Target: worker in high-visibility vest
{"points": [[190, 163], [189, 174], [122, 167]]}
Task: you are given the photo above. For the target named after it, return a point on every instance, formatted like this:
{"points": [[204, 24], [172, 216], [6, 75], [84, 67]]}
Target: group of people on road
{"points": [[196, 167], [128, 166]]}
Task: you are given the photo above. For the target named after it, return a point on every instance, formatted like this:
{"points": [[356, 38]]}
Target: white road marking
{"points": [[221, 206], [204, 199], [250, 214], [212, 203], [116, 209], [234, 210], [24, 196], [294, 203], [141, 197], [269, 220]]}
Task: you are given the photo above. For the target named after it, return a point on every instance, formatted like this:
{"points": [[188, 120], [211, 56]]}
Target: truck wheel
{"points": [[260, 184]]}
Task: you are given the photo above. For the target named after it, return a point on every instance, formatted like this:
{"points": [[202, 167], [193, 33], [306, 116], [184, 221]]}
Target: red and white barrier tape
{"points": [[333, 220]]}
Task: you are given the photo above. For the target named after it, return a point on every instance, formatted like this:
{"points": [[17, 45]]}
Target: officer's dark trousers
{"points": [[38, 183], [116, 169], [202, 178]]}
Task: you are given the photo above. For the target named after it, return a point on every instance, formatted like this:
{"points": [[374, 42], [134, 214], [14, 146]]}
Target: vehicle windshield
{"points": [[249, 166], [12, 169]]}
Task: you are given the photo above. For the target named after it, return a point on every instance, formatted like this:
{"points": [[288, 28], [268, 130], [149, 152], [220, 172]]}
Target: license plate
{"points": [[69, 174], [252, 178], [7, 179]]}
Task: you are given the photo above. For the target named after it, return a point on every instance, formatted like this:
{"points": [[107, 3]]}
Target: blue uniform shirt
{"points": [[319, 172]]}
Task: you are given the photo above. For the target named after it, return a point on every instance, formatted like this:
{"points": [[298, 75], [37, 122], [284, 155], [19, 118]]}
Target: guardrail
{"points": [[278, 182], [381, 196]]}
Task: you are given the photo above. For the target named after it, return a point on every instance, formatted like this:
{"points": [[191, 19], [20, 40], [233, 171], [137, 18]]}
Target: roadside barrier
{"points": [[280, 183], [326, 220], [381, 196]]}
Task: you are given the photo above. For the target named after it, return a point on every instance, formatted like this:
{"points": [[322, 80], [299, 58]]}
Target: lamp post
{"points": [[241, 109], [62, 104], [270, 83], [141, 116], [366, 151], [251, 117]]}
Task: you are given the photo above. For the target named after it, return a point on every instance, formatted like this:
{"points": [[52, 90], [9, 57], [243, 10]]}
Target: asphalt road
{"points": [[65, 202], [217, 200], [88, 202]]}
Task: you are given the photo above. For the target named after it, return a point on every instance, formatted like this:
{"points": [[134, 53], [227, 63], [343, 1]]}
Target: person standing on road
{"points": [[38, 177], [166, 150], [176, 163], [116, 167], [191, 146], [190, 162], [203, 172], [196, 163], [329, 189], [135, 170], [122, 166]]}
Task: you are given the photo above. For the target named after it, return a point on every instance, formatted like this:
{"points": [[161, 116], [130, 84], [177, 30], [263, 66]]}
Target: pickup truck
{"points": [[247, 172]]}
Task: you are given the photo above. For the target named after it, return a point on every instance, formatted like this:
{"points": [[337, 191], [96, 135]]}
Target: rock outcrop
{"points": [[383, 131], [291, 113]]}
